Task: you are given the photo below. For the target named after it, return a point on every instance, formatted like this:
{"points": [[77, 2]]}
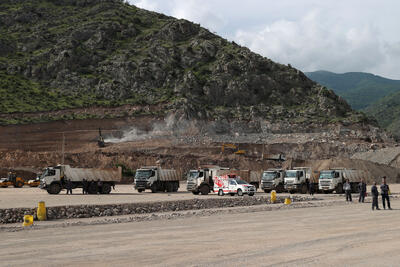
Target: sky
{"points": [[334, 35]]}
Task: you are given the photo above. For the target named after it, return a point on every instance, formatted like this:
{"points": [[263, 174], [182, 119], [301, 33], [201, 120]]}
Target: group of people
{"points": [[85, 186], [362, 188]]}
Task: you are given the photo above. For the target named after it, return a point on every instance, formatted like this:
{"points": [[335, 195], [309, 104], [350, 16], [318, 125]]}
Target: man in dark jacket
{"points": [[362, 188], [68, 185], [375, 194], [385, 193], [84, 186]]}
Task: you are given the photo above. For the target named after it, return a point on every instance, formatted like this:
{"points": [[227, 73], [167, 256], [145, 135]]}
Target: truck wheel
{"points": [[92, 188], [267, 191], [106, 189], [251, 194], [204, 190], [140, 190], [339, 189], [154, 188], [170, 187], [304, 189], [54, 189], [240, 192], [220, 192], [176, 187]]}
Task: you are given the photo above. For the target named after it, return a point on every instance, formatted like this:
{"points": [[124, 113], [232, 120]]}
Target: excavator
{"points": [[12, 180], [235, 149]]}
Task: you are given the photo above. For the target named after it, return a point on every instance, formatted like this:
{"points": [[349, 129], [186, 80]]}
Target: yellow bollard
{"points": [[41, 211], [273, 196], [28, 220], [288, 201]]}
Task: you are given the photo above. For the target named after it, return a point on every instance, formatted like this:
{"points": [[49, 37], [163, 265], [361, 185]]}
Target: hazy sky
{"points": [[334, 35]]}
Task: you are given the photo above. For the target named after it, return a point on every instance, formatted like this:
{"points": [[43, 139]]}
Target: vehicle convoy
{"points": [[333, 179], [252, 177], [232, 184], [54, 179], [273, 179], [201, 180], [298, 179], [156, 179], [12, 180]]}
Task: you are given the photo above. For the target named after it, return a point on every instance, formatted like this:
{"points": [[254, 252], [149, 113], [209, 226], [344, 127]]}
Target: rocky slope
{"points": [[67, 54]]}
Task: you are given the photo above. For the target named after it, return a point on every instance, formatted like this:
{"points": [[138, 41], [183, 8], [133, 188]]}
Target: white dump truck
{"points": [[273, 179], [201, 180], [54, 179], [156, 179], [232, 184], [333, 179], [298, 179]]}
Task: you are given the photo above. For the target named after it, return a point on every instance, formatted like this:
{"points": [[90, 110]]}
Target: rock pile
{"points": [[87, 211]]}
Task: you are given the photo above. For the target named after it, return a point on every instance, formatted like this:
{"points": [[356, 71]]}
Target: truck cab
{"points": [[296, 180], [201, 180], [331, 180], [273, 179]]}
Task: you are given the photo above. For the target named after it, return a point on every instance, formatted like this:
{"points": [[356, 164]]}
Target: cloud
{"points": [[340, 36]]}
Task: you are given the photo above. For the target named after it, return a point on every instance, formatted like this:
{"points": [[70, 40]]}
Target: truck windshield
{"points": [[143, 174], [269, 175], [291, 174], [195, 174], [327, 175]]}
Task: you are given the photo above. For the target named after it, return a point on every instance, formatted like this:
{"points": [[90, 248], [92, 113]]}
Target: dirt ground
{"points": [[29, 197], [341, 234]]}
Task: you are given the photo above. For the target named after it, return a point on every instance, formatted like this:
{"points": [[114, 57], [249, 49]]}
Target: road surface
{"points": [[343, 234]]}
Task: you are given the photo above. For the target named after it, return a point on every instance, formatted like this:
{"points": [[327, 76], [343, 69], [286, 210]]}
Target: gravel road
{"points": [[331, 235]]}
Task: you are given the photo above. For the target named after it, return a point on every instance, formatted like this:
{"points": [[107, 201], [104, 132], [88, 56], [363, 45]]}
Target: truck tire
{"points": [[170, 187], [204, 189], [93, 188], [303, 189], [140, 190], [176, 187], [240, 192], [339, 189], [280, 188], [106, 188], [251, 194], [154, 188], [220, 192], [54, 189]]}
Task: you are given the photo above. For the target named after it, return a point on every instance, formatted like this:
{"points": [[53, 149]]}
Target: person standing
{"points": [[347, 190], [84, 186], [362, 188], [385, 193], [69, 186], [375, 194], [311, 188]]}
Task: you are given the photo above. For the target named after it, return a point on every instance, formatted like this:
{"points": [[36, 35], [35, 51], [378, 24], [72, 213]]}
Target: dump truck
{"points": [[101, 181], [252, 177], [12, 180], [201, 180], [298, 179], [333, 179], [156, 179], [273, 179]]}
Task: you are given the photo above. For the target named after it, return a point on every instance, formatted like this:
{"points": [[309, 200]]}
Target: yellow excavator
{"points": [[12, 180], [234, 147]]}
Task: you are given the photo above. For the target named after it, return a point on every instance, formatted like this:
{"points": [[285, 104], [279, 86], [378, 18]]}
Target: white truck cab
{"points": [[230, 184], [273, 179], [296, 180]]}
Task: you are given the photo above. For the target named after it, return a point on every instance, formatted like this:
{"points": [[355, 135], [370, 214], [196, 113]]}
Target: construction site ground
{"points": [[27, 197], [327, 232]]}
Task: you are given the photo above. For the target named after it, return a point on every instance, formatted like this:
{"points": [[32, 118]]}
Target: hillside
{"points": [[76, 54], [359, 89], [387, 112]]}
